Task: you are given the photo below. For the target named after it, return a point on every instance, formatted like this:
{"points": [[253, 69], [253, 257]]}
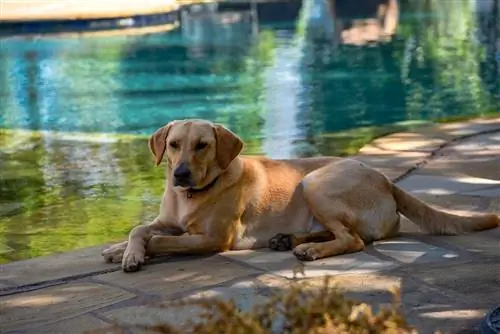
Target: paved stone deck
{"points": [[446, 282]]}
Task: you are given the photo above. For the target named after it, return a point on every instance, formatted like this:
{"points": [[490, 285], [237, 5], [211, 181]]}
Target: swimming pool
{"points": [[291, 80]]}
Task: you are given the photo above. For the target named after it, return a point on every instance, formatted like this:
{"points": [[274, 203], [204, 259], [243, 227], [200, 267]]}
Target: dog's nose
{"points": [[182, 173]]}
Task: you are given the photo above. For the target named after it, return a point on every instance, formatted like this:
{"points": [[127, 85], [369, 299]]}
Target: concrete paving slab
{"points": [[3, 286], [55, 267], [245, 294], [412, 251], [469, 127], [373, 288], [479, 157], [470, 283], [485, 166], [75, 325], [487, 143], [31, 310], [486, 243], [180, 275], [409, 141], [488, 192], [285, 264], [434, 316], [444, 185], [390, 163], [150, 316]]}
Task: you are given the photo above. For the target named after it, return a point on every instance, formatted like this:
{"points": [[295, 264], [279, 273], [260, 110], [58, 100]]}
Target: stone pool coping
{"points": [[58, 292], [68, 18], [48, 10], [91, 18]]}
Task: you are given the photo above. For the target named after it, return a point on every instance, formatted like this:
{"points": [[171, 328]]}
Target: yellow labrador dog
{"points": [[216, 200]]}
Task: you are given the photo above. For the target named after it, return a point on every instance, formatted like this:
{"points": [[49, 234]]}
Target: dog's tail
{"points": [[439, 222]]}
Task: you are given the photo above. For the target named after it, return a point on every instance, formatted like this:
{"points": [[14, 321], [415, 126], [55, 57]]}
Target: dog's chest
{"points": [[194, 218]]}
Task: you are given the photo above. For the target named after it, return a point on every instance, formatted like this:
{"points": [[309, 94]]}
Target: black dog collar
{"points": [[191, 191]]}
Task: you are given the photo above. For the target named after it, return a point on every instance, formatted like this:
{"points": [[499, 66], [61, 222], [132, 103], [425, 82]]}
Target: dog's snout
{"points": [[182, 174]]}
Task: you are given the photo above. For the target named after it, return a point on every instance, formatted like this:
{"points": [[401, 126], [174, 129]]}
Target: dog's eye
{"points": [[174, 144], [201, 146]]}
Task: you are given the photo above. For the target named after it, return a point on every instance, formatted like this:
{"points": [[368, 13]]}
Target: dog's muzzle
{"points": [[183, 176]]}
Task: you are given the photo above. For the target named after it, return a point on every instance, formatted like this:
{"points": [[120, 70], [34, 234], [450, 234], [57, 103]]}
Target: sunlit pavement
{"points": [[446, 282]]}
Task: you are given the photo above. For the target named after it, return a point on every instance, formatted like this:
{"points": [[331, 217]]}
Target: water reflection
{"points": [[62, 193], [307, 80]]}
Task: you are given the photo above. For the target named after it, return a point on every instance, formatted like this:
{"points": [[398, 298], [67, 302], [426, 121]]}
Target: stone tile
{"points": [[3, 286], [378, 156], [483, 243], [30, 310], [135, 316], [370, 288], [485, 144], [412, 251], [429, 319], [485, 166], [80, 323], [390, 163], [245, 294], [58, 266], [473, 283], [433, 131], [488, 192], [478, 156], [285, 264], [442, 185], [245, 289], [409, 141], [180, 275], [469, 127], [419, 299]]}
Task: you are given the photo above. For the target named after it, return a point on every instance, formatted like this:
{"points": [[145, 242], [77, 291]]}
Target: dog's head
{"points": [[197, 151]]}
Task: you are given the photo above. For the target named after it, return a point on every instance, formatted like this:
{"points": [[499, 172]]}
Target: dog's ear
{"points": [[228, 146], [158, 142]]}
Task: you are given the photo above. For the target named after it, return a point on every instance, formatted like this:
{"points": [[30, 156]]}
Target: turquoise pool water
{"points": [[305, 83]]}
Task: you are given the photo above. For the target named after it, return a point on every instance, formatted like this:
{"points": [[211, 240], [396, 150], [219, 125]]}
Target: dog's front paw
{"points": [[114, 254], [132, 260], [305, 252]]}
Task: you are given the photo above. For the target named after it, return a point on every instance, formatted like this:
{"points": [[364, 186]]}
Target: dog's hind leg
{"points": [[346, 241], [286, 242]]}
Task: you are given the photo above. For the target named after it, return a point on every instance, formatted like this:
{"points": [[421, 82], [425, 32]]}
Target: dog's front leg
{"points": [[135, 251], [186, 244], [114, 253]]}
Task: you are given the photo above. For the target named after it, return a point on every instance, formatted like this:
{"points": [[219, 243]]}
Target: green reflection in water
{"points": [[59, 194]]}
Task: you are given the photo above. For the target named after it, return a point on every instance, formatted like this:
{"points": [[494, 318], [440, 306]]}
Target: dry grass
{"points": [[297, 310]]}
